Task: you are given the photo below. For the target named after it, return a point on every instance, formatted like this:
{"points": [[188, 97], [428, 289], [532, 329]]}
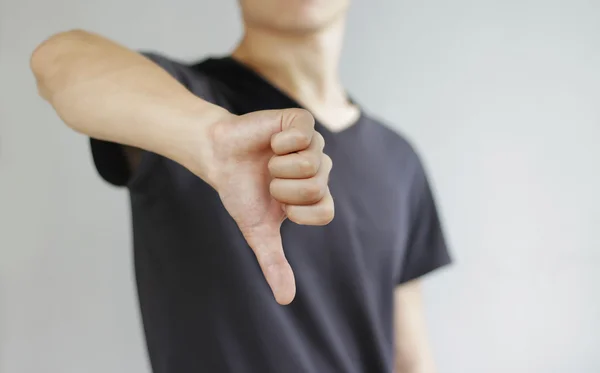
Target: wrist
{"points": [[196, 151]]}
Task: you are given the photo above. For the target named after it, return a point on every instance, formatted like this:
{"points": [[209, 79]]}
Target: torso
{"points": [[205, 304]]}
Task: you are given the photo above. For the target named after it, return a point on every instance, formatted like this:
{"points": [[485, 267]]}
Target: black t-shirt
{"points": [[205, 304]]}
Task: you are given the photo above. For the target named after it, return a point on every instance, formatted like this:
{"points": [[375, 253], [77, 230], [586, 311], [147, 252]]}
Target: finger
{"points": [[321, 213], [297, 129], [259, 128], [301, 165], [268, 249], [303, 191]]}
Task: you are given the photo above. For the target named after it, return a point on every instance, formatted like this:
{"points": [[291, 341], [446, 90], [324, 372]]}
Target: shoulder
{"points": [[390, 142], [405, 165]]}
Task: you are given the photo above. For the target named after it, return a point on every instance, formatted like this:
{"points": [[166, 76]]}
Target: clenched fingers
{"points": [[301, 165], [297, 130], [303, 191], [321, 213]]}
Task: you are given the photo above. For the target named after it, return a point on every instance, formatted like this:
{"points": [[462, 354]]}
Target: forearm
{"points": [[108, 92], [408, 366], [412, 349], [414, 359]]}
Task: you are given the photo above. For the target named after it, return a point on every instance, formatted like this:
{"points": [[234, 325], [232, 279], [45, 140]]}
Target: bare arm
{"points": [[413, 354], [109, 92]]}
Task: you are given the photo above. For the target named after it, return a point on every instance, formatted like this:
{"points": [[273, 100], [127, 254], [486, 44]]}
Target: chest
{"points": [[365, 243]]}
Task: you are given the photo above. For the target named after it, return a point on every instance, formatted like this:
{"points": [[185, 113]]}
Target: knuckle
{"points": [[326, 214], [302, 140], [326, 165], [307, 166], [311, 192], [327, 160], [319, 139], [303, 115], [270, 258]]}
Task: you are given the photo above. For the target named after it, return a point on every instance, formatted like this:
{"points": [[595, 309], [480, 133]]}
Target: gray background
{"points": [[501, 97]]}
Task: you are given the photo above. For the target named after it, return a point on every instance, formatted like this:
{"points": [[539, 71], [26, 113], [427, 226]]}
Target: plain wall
{"points": [[501, 97]]}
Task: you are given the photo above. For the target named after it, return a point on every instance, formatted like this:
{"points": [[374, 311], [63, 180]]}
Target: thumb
{"points": [[260, 126], [265, 241]]}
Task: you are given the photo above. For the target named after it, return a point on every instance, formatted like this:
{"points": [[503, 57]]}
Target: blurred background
{"points": [[501, 97]]}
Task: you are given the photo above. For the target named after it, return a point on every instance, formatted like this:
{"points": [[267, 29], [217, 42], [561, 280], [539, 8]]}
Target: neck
{"points": [[304, 66]]}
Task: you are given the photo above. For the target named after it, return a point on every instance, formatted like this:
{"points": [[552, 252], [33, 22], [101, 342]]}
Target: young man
{"points": [[225, 170]]}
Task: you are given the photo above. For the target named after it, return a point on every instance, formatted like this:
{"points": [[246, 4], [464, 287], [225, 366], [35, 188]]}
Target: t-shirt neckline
{"points": [[288, 101]]}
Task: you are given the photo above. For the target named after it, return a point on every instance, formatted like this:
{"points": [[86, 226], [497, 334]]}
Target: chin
{"points": [[297, 16], [298, 23]]}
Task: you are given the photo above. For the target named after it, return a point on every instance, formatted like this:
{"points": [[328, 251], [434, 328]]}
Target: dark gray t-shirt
{"points": [[205, 304]]}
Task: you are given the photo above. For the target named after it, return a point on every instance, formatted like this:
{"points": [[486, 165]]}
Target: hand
{"points": [[268, 166]]}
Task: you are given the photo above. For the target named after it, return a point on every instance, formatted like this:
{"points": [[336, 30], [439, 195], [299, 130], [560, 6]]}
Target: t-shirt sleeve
{"points": [[426, 250], [110, 158]]}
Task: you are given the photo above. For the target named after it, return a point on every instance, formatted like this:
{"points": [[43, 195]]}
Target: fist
{"points": [[268, 166]]}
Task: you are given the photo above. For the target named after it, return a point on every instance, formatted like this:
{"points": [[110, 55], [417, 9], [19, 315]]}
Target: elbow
{"points": [[45, 61]]}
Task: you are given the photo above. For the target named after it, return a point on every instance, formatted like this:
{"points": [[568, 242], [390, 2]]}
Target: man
{"points": [[225, 168]]}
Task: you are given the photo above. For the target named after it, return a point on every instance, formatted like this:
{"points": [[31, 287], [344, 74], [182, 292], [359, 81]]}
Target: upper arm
{"points": [[412, 349], [424, 252]]}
